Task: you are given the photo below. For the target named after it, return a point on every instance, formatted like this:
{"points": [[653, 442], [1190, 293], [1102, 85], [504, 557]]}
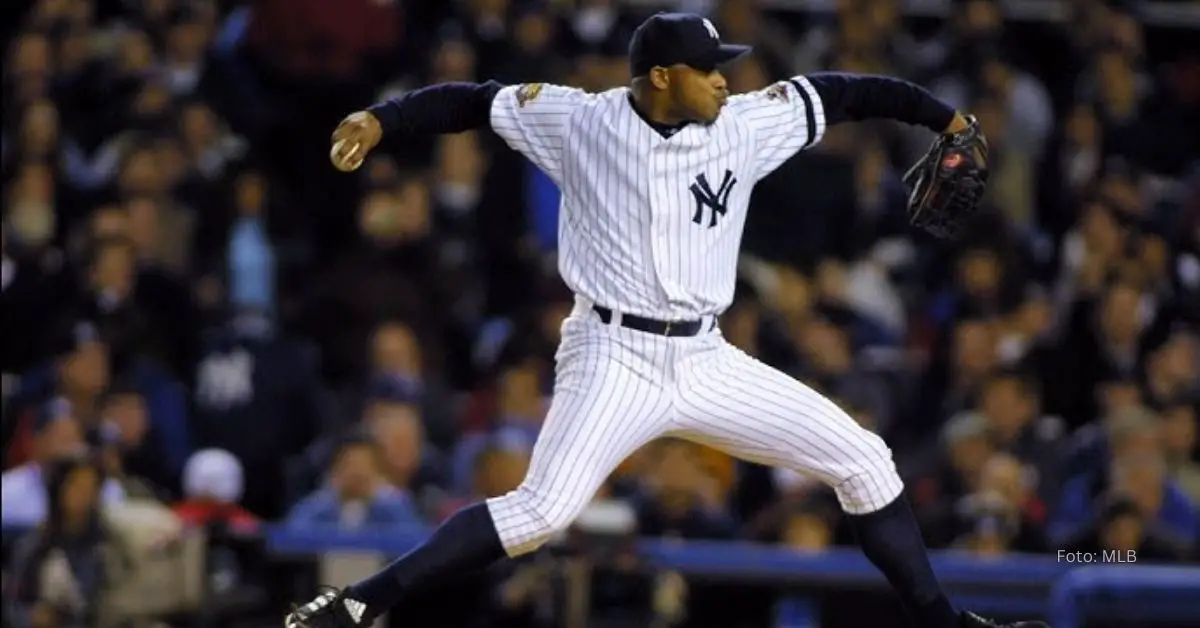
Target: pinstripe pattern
{"points": [[786, 117], [626, 236], [617, 389], [611, 396], [627, 241], [733, 402]]}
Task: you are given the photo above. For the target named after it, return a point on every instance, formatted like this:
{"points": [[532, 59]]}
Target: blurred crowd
{"points": [[204, 324]]}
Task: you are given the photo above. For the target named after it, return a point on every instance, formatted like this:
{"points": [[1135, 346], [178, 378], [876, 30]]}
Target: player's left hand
{"points": [[946, 186], [353, 138]]}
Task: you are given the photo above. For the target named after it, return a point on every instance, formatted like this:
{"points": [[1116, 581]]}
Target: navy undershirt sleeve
{"points": [[438, 109], [853, 97]]}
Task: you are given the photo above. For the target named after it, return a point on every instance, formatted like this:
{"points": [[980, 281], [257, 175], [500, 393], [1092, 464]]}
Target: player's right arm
{"points": [[439, 109], [531, 118]]}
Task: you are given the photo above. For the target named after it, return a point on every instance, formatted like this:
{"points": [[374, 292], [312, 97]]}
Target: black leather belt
{"points": [[651, 326]]}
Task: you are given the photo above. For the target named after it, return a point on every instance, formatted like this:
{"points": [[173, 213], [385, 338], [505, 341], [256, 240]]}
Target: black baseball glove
{"points": [[945, 186]]}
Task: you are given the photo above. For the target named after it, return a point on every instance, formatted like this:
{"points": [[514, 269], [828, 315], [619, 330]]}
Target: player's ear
{"points": [[660, 77]]}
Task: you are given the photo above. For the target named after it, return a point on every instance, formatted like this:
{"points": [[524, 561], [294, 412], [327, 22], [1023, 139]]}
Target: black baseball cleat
{"points": [[331, 609], [971, 620]]}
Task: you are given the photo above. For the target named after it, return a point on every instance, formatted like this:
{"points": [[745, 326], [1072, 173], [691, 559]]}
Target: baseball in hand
{"points": [[346, 161]]}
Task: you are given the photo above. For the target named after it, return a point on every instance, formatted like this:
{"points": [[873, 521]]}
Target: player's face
{"points": [[698, 94]]}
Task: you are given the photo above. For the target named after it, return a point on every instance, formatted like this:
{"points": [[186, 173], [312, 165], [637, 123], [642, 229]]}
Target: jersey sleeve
{"points": [[785, 118], [533, 118]]}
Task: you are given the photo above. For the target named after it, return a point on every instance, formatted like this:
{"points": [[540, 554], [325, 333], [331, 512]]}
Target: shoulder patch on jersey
{"points": [[527, 93], [778, 91]]}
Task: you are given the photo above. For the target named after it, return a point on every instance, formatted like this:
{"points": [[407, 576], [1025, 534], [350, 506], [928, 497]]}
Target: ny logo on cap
{"points": [[712, 30]]}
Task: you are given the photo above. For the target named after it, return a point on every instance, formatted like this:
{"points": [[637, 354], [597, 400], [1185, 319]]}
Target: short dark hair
{"points": [[1027, 383], [70, 335], [122, 386], [56, 477], [1113, 507]]}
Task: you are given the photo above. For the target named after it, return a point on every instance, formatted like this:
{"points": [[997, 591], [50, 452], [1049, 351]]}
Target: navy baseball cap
{"points": [[667, 39]]}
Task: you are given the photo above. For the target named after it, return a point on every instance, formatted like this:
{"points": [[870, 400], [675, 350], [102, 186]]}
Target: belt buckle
{"points": [[667, 329]]}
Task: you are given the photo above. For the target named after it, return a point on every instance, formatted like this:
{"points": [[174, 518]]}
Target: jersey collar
{"points": [[667, 131]]}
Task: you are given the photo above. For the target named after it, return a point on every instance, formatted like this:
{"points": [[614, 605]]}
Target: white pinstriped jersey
{"points": [[651, 225]]}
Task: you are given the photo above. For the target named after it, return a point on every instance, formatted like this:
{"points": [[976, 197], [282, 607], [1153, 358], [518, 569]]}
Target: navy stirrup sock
{"points": [[466, 542], [892, 541]]}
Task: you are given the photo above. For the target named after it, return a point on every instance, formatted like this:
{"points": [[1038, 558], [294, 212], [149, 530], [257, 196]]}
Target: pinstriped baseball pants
{"points": [[617, 389]]}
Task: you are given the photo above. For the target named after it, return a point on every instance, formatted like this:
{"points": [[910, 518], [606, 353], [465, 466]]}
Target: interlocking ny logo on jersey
{"points": [[717, 202]]}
